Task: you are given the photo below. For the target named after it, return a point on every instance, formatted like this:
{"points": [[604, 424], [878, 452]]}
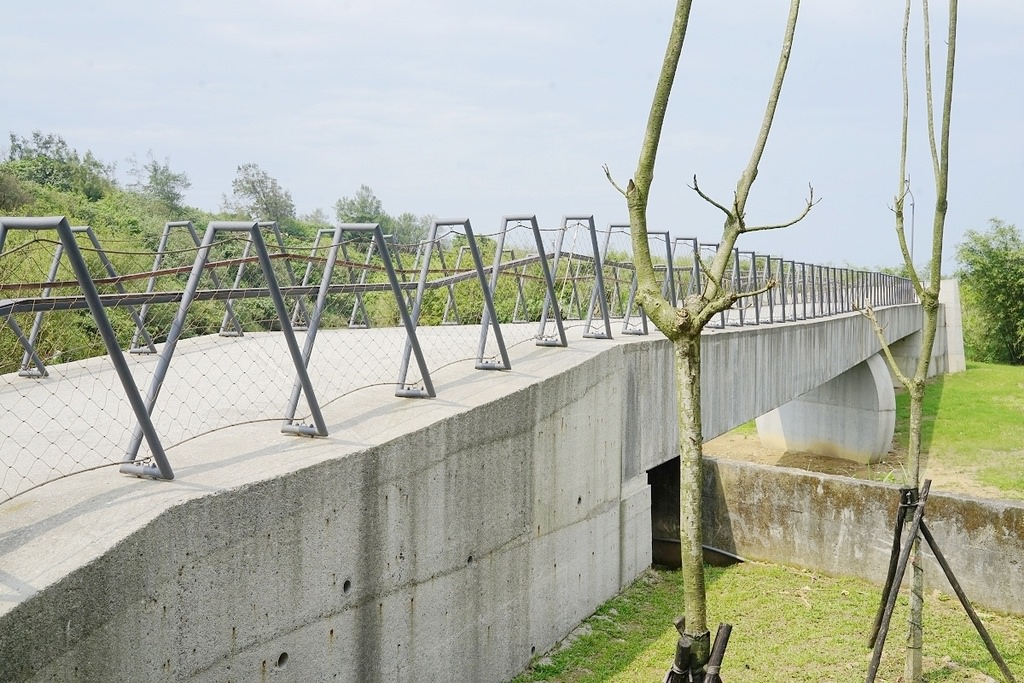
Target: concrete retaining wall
{"points": [[451, 553], [842, 526]]}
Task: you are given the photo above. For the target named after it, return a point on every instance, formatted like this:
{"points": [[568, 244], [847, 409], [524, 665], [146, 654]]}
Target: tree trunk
{"points": [[691, 479], [913, 671], [914, 668]]}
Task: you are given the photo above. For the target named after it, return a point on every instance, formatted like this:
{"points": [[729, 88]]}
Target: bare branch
{"points": [[717, 282], [709, 200], [811, 201], [771, 283], [869, 313], [750, 173], [715, 306], [608, 175]]}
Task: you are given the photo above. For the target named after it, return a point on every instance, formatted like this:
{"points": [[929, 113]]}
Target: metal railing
{"points": [[202, 355]]}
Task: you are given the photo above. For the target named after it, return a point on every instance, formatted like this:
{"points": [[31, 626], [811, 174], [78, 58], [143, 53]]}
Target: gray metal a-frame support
{"points": [[145, 429], [337, 242], [450, 316], [300, 319], [616, 305], [550, 300], [694, 280], [625, 309], [161, 251], [189, 295], [598, 297], [668, 288], [31, 357], [300, 309], [359, 308], [489, 313]]}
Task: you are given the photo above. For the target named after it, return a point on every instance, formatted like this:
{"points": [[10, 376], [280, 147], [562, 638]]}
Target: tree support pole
{"points": [[895, 578], [901, 568], [982, 631], [907, 500]]}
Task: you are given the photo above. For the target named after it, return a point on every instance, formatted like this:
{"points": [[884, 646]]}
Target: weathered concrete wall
{"points": [[453, 552], [842, 526]]}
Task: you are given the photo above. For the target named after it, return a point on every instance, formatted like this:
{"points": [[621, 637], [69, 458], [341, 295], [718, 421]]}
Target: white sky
{"points": [[464, 108]]}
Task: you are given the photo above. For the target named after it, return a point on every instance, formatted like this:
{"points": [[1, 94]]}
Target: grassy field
{"points": [[793, 625], [973, 422], [788, 625]]}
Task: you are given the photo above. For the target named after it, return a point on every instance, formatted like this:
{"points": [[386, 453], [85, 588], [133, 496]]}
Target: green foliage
{"points": [[991, 273], [364, 207], [12, 195], [44, 176], [157, 181], [48, 160], [259, 196], [407, 229]]}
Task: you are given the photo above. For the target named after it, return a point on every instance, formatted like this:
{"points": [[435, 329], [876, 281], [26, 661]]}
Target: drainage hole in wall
{"points": [[346, 587], [533, 650], [282, 661], [469, 560], [579, 500]]}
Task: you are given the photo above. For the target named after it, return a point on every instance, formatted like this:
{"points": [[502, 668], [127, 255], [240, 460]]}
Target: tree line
{"points": [[42, 175]]}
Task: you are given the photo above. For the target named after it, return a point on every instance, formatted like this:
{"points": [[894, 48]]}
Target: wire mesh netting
{"points": [[111, 353]]}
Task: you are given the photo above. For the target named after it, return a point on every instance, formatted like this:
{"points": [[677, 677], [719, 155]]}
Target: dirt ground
{"points": [[747, 447]]}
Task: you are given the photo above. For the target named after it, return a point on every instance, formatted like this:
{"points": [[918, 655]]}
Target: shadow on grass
{"points": [[929, 409], [624, 634]]}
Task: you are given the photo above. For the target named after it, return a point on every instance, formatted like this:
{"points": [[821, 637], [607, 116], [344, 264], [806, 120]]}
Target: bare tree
{"points": [[927, 291], [683, 325]]}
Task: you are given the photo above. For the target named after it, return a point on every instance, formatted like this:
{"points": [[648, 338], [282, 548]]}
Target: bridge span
{"points": [[442, 539], [318, 520]]}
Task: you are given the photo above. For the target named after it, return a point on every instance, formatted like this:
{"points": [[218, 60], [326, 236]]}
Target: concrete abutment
{"points": [[852, 416]]}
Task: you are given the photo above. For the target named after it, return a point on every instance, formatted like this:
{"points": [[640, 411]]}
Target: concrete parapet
{"points": [[844, 527]]}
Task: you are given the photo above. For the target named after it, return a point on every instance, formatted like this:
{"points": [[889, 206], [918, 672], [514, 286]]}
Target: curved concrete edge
{"points": [[852, 416], [844, 527]]}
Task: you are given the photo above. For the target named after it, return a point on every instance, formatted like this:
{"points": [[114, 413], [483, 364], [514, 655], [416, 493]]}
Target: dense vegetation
{"points": [[41, 175], [991, 273]]}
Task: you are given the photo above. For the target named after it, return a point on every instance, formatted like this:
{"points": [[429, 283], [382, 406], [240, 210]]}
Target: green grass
{"points": [[974, 420], [793, 625], [788, 625]]}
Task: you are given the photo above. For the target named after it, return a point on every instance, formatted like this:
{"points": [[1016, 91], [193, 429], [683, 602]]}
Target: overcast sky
{"points": [[464, 108]]}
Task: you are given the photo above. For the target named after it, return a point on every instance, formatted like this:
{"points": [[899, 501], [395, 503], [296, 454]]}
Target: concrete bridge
{"points": [[448, 539], [442, 539]]}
